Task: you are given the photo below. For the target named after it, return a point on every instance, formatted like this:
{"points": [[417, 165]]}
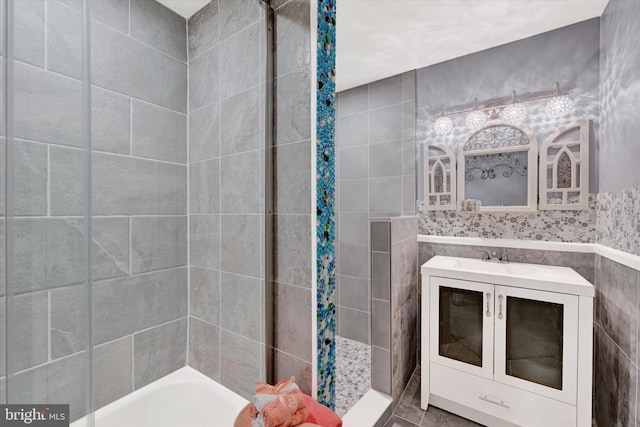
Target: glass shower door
{"points": [[47, 205]]}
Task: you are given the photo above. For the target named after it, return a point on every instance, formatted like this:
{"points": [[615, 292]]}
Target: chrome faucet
{"points": [[493, 256]]}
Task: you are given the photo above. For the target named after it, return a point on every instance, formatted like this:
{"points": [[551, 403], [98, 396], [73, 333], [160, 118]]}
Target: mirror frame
{"points": [[532, 165]]}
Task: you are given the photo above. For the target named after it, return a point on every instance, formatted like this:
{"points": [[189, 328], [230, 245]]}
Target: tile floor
{"points": [[353, 373], [409, 414]]}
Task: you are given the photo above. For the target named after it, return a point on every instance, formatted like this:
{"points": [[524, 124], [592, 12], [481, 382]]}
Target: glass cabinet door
{"points": [[462, 325], [536, 341]]}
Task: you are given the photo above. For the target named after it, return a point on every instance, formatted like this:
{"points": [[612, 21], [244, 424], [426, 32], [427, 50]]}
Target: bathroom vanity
{"points": [[507, 344]]}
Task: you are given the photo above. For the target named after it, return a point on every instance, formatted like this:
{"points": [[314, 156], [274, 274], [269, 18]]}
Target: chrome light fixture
{"points": [[516, 112], [559, 105], [477, 118], [443, 124]]}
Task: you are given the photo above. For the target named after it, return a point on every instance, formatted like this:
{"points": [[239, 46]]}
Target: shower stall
{"points": [[139, 197]]}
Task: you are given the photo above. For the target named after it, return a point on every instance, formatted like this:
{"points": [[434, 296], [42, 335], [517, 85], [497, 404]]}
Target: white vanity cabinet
{"points": [[507, 344]]}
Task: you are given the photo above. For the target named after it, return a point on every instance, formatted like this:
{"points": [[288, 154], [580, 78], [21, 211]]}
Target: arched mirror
{"points": [[497, 165]]}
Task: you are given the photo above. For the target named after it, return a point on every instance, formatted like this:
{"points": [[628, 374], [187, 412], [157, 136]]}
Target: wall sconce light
{"points": [[443, 124], [559, 105], [516, 112], [477, 118]]}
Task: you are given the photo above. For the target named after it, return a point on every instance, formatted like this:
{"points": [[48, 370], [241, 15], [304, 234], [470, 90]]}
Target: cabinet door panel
{"points": [[461, 322], [536, 341]]}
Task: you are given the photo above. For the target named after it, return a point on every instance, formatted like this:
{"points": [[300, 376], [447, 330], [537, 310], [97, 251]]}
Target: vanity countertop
{"points": [[533, 276]]}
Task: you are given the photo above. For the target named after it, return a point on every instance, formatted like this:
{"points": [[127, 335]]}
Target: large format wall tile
{"points": [[385, 124], [47, 106], [69, 313], [204, 240], [204, 133], [204, 81], [110, 247], [293, 174], [293, 251], [614, 383], [292, 310], [110, 121], [240, 183], [67, 381], [113, 13], [292, 36], [616, 304], [354, 325], [354, 130], [355, 100], [158, 133], [66, 251], [240, 307], [236, 15], [159, 27], [246, 41], [385, 159], [144, 187], [29, 31], [159, 351], [158, 243], [125, 305], [68, 168], [239, 252], [293, 106], [28, 331], [204, 300], [30, 179], [204, 187], [64, 40], [241, 124], [239, 363], [29, 260], [113, 364], [203, 29], [204, 348], [386, 92], [354, 162], [129, 67]]}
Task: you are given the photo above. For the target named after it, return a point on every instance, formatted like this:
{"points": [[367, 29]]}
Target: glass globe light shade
{"points": [[514, 113], [558, 106], [476, 119], [443, 125]]}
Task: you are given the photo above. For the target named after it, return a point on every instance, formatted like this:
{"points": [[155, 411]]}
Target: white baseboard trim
{"points": [[624, 258]]}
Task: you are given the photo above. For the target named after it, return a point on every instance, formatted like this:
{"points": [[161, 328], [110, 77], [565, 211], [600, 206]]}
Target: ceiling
{"points": [[382, 38], [184, 8]]}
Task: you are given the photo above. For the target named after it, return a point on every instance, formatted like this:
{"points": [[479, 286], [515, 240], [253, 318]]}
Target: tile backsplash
{"points": [[558, 226]]}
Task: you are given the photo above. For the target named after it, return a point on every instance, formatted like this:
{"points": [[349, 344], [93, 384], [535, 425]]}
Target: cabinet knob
{"points": [[500, 316]]}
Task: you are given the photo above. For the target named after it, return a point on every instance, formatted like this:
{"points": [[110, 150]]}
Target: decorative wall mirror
{"points": [[564, 168], [498, 165], [439, 177]]}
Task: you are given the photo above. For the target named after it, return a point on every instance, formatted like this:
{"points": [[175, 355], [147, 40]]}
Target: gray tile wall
{"points": [[226, 203], [294, 221], [616, 370], [394, 303], [375, 175], [140, 177]]}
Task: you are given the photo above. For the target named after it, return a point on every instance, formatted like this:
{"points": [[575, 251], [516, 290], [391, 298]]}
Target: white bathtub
{"points": [[185, 398]]}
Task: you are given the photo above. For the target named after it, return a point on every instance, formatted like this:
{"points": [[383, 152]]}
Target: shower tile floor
{"points": [[353, 373]]}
